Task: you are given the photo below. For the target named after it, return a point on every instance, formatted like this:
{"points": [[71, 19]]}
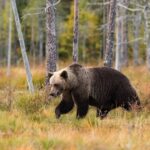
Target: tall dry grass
{"points": [[30, 124]]}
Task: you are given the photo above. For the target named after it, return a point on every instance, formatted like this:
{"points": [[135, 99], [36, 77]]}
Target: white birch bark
{"points": [[22, 44], [105, 18], [137, 22], [51, 47], [147, 33], [76, 32], [124, 12], [118, 62], [110, 35]]}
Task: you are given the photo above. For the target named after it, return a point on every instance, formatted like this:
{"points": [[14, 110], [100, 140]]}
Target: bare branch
{"points": [[104, 26], [52, 5], [32, 14], [130, 9], [137, 39], [137, 5], [99, 4]]}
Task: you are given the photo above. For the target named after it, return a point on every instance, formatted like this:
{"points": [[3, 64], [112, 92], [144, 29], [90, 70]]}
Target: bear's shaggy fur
{"points": [[103, 88]]}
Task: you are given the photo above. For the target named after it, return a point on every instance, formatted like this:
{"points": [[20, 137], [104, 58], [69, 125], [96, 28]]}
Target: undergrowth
{"points": [[28, 120]]}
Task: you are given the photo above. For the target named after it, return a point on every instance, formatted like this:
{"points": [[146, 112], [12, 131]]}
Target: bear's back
{"points": [[105, 82], [96, 74], [107, 74]]}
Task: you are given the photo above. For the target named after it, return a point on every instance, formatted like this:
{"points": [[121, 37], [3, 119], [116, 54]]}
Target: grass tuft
{"points": [[30, 103]]}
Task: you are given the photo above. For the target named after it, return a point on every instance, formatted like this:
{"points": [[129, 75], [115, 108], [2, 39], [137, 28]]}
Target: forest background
{"points": [[27, 119]]}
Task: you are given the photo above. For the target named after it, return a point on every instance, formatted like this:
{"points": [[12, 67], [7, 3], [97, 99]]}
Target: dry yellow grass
{"points": [[31, 124]]}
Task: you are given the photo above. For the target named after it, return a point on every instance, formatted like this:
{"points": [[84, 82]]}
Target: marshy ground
{"points": [[27, 121]]}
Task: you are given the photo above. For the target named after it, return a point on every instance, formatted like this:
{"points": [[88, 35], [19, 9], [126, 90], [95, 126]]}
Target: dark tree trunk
{"points": [[3, 3], [32, 44], [110, 35], [51, 38], [40, 40]]}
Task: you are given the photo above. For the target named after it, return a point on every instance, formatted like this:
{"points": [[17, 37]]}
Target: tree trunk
{"points": [[137, 23], [22, 44], [125, 34], [40, 40], [102, 50], [3, 3], [9, 43], [118, 39], [75, 39], [147, 32], [110, 35], [32, 45], [84, 48], [15, 48], [51, 38]]}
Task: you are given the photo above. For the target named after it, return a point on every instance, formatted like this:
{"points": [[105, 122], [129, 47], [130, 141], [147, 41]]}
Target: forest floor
{"points": [[27, 121]]}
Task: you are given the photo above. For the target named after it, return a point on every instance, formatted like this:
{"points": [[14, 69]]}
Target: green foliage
{"points": [[63, 55], [52, 143], [88, 35], [33, 17], [39, 81]]}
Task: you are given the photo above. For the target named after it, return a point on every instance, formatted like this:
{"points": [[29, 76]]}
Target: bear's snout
{"points": [[52, 94], [55, 94]]}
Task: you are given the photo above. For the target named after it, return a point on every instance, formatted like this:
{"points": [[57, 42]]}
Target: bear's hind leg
{"points": [[64, 107], [132, 106], [127, 107]]}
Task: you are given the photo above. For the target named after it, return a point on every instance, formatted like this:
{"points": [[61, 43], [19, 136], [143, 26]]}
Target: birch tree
{"points": [[118, 59], [22, 44], [136, 23], [9, 43], [51, 38], [122, 35], [105, 20], [147, 32], [125, 33], [75, 39], [110, 35]]}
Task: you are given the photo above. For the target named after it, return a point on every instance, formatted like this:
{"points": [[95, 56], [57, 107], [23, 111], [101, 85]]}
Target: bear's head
{"points": [[58, 82]]}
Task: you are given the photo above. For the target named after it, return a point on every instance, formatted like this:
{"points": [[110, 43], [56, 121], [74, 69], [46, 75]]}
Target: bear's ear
{"points": [[50, 74], [64, 74]]}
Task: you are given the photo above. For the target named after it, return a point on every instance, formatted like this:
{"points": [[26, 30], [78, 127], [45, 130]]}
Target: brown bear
{"points": [[102, 87]]}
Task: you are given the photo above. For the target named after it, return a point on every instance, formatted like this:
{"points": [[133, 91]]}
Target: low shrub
{"points": [[30, 103]]}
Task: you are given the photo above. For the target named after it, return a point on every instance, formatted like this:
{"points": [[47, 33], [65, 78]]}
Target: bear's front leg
{"points": [[82, 109], [64, 107], [80, 97]]}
